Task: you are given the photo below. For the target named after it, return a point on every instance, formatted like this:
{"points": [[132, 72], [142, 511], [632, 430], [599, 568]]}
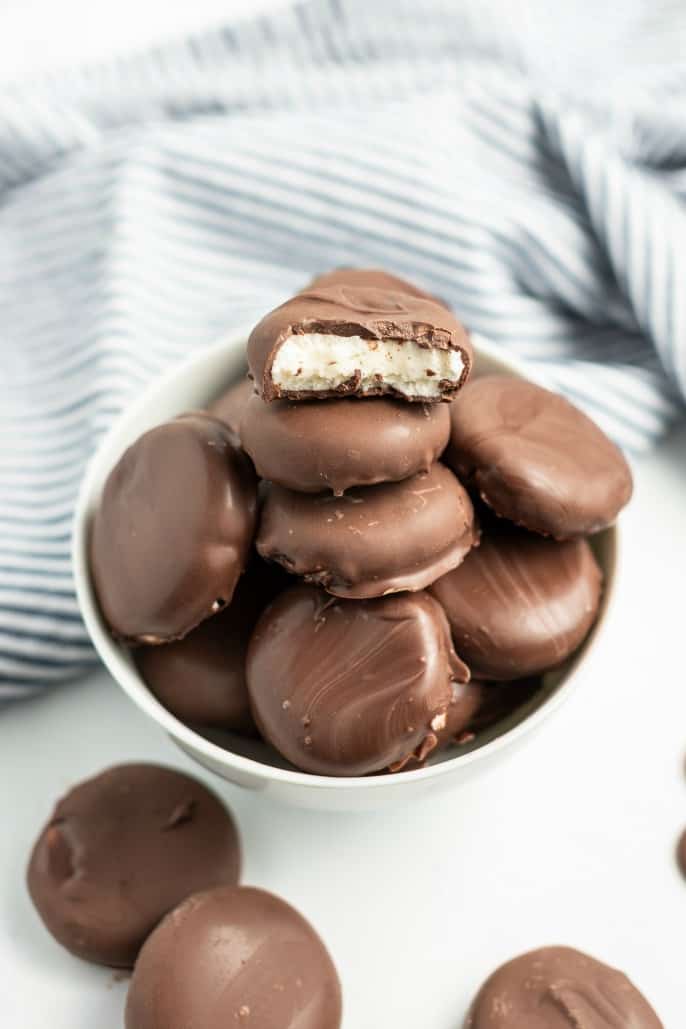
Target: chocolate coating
{"points": [[173, 530], [201, 678], [536, 459], [369, 312], [374, 540], [559, 988], [349, 687], [120, 851], [336, 444], [370, 277], [229, 407], [520, 604], [234, 957], [467, 699], [477, 706]]}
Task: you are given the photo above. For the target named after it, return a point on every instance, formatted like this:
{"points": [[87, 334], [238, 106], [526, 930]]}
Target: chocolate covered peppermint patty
{"points": [[352, 687], [349, 339], [336, 444], [120, 851], [559, 988], [374, 540], [173, 529], [201, 678], [230, 958], [535, 459], [520, 604]]}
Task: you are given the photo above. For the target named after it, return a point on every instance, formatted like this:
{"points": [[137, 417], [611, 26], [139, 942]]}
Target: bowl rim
{"points": [[125, 675]]}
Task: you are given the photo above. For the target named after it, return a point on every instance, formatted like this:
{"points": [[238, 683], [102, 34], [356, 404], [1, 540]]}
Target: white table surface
{"points": [[572, 842]]}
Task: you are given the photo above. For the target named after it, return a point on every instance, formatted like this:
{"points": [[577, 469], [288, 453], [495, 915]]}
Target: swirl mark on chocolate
{"points": [[367, 679], [520, 604]]}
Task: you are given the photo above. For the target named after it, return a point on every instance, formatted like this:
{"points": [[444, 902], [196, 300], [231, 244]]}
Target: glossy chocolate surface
{"points": [[520, 604], [477, 706], [535, 459], [351, 687], [370, 277], [234, 957], [229, 407], [336, 444], [467, 700], [120, 851], [173, 530], [374, 540], [560, 988], [201, 678], [340, 309]]}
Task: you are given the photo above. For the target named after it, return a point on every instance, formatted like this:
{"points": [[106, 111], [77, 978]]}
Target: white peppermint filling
{"points": [[321, 361]]}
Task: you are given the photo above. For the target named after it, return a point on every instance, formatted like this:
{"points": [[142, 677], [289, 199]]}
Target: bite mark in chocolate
{"points": [[346, 339]]}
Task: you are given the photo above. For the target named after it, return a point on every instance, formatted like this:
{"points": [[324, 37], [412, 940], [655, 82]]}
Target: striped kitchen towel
{"points": [[523, 163]]}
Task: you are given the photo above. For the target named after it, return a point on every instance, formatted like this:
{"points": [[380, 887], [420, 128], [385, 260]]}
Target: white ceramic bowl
{"points": [[192, 385]]}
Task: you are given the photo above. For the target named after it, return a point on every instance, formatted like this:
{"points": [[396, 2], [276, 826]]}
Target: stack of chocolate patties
{"points": [[436, 529], [352, 671], [359, 384]]}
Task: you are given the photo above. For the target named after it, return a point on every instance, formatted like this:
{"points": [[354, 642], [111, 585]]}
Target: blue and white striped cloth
{"points": [[524, 164]]}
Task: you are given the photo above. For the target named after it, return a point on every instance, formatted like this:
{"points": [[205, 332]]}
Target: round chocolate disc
{"points": [[559, 988], [201, 678], [120, 851], [173, 530], [335, 444], [520, 604], [375, 539], [536, 459], [234, 957], [351, 687], [229, 407]]}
